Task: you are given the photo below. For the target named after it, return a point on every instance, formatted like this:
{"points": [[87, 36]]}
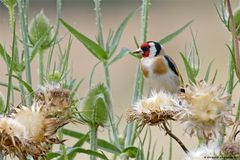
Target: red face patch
{"points": [[146, 49]]}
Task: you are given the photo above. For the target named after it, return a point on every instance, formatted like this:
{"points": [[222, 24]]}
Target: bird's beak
{"points": [[138, 51]]}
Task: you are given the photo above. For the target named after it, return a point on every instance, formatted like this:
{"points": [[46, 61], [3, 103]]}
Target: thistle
{"points": [[159, 108], [53, 100], [32, 130], [206, 110], [39, 27], [94, 108]]}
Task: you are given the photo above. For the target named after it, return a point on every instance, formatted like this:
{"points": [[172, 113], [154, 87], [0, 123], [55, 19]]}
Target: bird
{"points": [[159, 69]]}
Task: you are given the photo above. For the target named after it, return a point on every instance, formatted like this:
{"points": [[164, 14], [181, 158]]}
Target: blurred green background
{"points": [[166, 16]]}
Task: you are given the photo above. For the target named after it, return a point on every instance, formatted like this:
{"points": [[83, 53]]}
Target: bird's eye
{"points": [[145, 49]]}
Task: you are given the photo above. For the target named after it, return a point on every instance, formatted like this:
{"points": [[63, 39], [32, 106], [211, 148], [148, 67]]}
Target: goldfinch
{"points": [[158, 68]]}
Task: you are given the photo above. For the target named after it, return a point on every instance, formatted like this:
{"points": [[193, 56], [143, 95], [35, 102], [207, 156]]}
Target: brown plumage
{"points": [[159, 65]]}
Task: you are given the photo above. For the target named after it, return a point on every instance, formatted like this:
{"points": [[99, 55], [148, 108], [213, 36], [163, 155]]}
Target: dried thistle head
{"points": [[28, 132], [32, 130], [206, 110], [159, 108], [53, 100]]}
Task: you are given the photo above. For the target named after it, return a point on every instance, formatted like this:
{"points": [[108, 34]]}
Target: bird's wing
{"points": [[173, 67]]}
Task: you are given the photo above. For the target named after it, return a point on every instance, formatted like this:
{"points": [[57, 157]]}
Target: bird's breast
{"points": [[155, 66]]}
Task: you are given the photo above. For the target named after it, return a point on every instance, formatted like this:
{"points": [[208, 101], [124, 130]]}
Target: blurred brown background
{"points": [[165, 16]]}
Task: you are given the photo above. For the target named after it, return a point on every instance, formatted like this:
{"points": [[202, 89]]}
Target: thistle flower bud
{"points": [[9, 3], [94, 108], [39, 27], [54, 77]]}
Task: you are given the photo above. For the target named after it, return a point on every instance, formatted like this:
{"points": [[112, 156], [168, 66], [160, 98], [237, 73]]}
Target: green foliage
{"points": [[192, 61], [102, 144], [117, 36], [9, 3], [131, 151], [94, 48], [54, 77], [72, 151], [92, 74], [94, 108], [2, 102], [23, 18], [206, 77], [237, 21], [171, 36], [120, 55], [189, 69], [8, 60]]}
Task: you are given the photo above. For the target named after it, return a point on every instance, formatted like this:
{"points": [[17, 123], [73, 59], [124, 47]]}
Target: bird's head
{"points": [[149, 49]]}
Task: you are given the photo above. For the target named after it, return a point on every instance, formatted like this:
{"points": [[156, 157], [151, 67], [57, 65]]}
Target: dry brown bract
{"points": [[231, 148], [31, 130], [53, 100], [206, 110]]}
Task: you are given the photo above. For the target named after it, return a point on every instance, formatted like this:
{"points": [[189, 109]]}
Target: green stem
{"points": [[62, 146], [9, 90], [144, 20], [19, 74], [99, 22], [93, 139], [238, 112], [137, 94], [230, 84], [113, 133], [231, 68], [11, 11], [107, 75], [41, 67], [138, 84], [23, 9]]}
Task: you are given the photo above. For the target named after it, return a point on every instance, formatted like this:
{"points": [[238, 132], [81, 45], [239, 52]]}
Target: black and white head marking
{"points": [[155, 48]]}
